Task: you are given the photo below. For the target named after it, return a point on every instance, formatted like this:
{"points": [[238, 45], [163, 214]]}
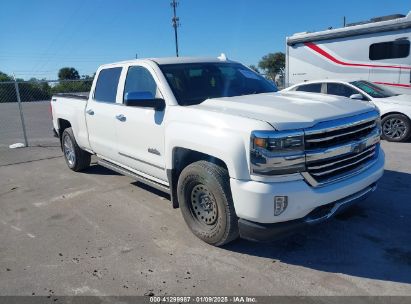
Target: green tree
{"points": [[5, 77], [7, 90], [68, 74], [88, 77], [272, 64], [82, 85], [72, 87], [34, 90]]}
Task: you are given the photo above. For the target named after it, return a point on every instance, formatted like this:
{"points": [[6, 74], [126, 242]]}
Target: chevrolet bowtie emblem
{"points": [[358, 147]]}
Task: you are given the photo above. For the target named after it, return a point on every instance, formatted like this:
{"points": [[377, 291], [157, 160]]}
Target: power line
{"points": [[176, 22], [47, 52]]}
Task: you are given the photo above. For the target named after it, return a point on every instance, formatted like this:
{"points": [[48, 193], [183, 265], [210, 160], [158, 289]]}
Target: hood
{"points": [[402, 99], [287, 110]]}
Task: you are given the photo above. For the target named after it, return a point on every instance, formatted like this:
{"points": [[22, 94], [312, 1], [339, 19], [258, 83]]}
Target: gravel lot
{"points": [[99, 233]]}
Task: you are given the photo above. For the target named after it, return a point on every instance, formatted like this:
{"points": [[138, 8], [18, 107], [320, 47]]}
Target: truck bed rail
{"points": [[72, 95]]}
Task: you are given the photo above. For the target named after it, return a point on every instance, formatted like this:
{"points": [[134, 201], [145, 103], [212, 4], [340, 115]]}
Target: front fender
{"points": [[229, 146]]}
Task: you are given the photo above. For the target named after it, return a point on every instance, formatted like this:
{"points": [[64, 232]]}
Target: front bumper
{"points": [[254, 201], [268, 232]]}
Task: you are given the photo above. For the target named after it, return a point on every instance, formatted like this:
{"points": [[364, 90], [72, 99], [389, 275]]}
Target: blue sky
{"points": [[38, 37]]}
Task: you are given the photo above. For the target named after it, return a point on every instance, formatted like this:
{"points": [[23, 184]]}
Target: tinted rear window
{"points": [[106, 86], [313, 88]]}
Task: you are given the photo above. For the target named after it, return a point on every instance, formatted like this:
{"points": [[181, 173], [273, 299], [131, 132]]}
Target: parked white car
{"points": [[238, 158], [395, 108]]}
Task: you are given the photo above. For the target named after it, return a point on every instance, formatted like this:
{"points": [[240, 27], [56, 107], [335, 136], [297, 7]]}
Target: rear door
{"points": [[100, 114], [140, 132]]}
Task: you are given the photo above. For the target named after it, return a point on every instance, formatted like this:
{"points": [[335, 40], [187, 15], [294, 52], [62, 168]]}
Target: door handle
{"points": [[121, 117], [90, 112]]}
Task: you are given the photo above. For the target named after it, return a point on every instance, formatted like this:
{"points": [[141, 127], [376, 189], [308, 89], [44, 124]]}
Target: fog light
{"points": [[280, 204]]}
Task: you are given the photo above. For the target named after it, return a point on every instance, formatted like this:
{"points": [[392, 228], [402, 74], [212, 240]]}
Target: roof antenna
{"points": [[222, 57]]}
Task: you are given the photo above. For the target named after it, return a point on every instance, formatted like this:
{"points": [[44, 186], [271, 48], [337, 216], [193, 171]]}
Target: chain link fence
{"points": [[25, 110]]}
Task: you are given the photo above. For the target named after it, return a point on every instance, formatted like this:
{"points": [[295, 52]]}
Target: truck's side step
{"points": [[142, 179]]}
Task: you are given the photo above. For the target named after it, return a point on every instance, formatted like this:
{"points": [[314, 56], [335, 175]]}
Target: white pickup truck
{"points": [[237, 157]]}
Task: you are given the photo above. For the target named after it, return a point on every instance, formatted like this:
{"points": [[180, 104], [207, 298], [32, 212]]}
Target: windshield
{"points": [[192, 83], [372, 89]]}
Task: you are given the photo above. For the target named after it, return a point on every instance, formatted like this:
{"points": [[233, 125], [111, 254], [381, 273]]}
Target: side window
{"points": [[389, 50], [313, 88], [340, 90], [139, 79], [106, 86]]}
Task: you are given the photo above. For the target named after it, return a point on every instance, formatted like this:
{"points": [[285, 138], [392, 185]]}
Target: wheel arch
{"points": [[182, 157], [392, 113], [62, 125]]}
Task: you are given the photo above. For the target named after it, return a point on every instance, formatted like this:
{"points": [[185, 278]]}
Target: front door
{"points": [[140, 131]]}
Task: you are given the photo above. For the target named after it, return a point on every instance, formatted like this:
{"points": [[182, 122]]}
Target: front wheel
{"points": [[76, 158], [396, 127], [206, 204]]}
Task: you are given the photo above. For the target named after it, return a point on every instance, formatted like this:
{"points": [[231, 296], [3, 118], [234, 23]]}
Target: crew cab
{"points": [[237, 157]]}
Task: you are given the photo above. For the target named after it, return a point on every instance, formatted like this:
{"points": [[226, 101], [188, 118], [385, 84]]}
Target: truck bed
{"points": [[70, 108]]}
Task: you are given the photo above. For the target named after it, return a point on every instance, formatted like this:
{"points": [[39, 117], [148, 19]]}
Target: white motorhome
{"points": [[377, 50]]}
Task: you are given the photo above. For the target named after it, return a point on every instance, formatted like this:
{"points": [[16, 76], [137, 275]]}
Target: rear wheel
{"points": [[396, 127], [76, 158], [206, 204]]}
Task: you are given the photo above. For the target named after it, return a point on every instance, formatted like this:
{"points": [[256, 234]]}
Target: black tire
{"points": [[396, 128], [79, 159], [204, 185]]}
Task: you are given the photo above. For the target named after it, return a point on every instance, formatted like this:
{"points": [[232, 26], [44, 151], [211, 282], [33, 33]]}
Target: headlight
{"points": [[277, 152]]}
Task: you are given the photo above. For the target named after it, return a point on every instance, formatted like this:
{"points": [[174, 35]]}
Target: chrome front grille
{"points": [[341, 148], [339, 136], [328, 169]]}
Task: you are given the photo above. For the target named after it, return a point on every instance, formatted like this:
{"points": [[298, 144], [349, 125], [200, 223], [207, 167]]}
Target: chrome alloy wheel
{"points": [[394, 128], [69, 150], [203, 205]]}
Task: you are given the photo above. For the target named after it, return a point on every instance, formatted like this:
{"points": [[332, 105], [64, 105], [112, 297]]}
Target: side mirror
{"points": [[144, 100], [356, 97]]}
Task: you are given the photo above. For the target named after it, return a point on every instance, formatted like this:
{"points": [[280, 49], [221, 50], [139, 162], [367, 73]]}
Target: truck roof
{"points": [[173, 60], [353, 30]]}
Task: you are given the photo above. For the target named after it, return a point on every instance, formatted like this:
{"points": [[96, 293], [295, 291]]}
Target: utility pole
{"points": [[176, 23]]}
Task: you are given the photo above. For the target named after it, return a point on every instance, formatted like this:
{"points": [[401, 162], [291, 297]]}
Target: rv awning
{"points": [[362, 29]]}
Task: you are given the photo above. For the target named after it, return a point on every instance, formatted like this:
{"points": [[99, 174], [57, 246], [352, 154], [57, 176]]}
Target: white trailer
{"points": [[377, 50]]}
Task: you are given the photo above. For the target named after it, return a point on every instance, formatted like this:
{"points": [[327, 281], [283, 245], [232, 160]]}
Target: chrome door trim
{"points": [[141, 161]]}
